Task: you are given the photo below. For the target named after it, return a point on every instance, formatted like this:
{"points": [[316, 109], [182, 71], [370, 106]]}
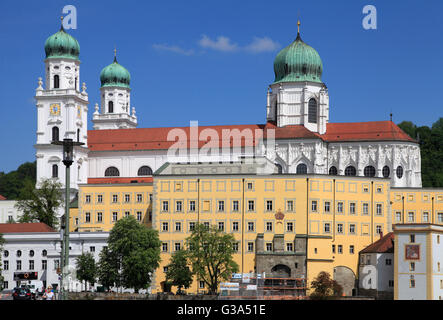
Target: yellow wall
{"points": [[420, 203], [78, 217], [279, 189]]}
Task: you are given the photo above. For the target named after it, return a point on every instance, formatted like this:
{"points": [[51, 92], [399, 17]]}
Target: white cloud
{"points": [[176, 49], [262, 45], [221, 44]]}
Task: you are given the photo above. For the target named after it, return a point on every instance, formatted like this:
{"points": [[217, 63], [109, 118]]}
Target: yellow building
{"points": [[100, 205], [321, 221]]}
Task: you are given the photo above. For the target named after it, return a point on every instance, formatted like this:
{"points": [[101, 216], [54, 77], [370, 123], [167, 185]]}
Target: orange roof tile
{"points": [[25, 227], [365, 131], [383, 245], [2, 198]]}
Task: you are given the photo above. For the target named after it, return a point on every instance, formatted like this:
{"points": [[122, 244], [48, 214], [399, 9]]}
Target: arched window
{"points": [[399, 172], [55, 132], [44, 253], [56, 82], [279, 168], [144, 171], [112, 172], [110, 107], [369, 171], [333, 171], [78, 135], [350, 171], [55, 171], [302, 169], [386, 172], [312, 111]]}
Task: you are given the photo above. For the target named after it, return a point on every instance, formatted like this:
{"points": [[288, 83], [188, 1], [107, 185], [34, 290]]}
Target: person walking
{"points": [[49, 294]]}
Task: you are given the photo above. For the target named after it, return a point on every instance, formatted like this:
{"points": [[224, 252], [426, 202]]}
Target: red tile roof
{"points": [[383, 245], [365, 131], [2, 198], [25, 227], [110, 180], [157, 138]]}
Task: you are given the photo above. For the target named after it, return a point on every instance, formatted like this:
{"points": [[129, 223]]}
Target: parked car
{"points": [[21, 293]]}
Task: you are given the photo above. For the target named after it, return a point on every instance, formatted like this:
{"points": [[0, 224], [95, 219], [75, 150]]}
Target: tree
{"points": [[86, 268], [325, 287], [179, 274], [40, 204], [13, 182], [136, 249], [108, 269], [210, 252]]}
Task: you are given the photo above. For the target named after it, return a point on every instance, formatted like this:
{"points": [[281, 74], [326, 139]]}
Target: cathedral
{"points": [[297, 114]]}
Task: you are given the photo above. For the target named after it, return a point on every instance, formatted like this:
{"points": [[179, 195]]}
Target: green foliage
{"points": [[40, 204], [12, 183], [178, 273], [136, 249], [431, 149], [210, 253], [86, 268], [325, 287], [108, 269]]}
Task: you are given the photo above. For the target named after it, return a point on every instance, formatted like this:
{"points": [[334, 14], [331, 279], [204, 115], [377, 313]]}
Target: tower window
{"points": [[333, 171], [302, 169], [55, 133], [55, 171], [350, 171], [110, 107], [112, 172], [386, 172], [369, 171], [144, 171], [399, 172], [56, 82], [78, 135], [312, 111]]}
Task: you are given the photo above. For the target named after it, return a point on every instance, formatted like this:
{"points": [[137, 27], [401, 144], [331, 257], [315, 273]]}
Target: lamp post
{"points": [[68, 155]]}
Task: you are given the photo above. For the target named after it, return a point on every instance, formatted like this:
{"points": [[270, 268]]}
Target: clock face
{"points": [[55, 109]]}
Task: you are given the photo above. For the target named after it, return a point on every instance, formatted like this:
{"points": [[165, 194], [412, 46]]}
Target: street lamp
{"points": [[68, 156]]}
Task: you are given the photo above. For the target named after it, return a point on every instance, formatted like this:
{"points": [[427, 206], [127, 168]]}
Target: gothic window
{"points": [[55, 171], [279, 168], [112, 172], [312, 111], [110, 107], [55, 133], [144, 171], [386, 172], [399, 172], [302, 169], [333, 171], [350, 171], [369, 171], [56, 82]]}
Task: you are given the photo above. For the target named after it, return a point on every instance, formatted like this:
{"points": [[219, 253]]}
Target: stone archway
{"points": [[346, 278], [281, 271]]}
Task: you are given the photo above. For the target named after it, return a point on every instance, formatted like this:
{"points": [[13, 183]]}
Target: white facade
{"points": [[33, 258], [418, 272], [376, 271], [8, 212]]}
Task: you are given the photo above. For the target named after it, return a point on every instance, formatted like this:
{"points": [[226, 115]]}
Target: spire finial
{"points": [[298, 26], [61, 23], [115, 54]]}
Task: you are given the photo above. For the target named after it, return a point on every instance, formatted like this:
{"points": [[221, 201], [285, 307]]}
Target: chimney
{"points": [[381, 234]]}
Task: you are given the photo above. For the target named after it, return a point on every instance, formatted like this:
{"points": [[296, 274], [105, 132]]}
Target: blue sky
{"points": [[212, 61]]}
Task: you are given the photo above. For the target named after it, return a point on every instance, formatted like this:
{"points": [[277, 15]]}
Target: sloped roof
{"points": [[25, 227], [365, 131], [157, 138], [2, 198], [383, 245]]}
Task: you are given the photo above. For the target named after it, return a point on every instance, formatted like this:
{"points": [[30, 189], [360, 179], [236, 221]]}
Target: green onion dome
{"points": [[298, 62], [115, 75], [62, 45]]}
